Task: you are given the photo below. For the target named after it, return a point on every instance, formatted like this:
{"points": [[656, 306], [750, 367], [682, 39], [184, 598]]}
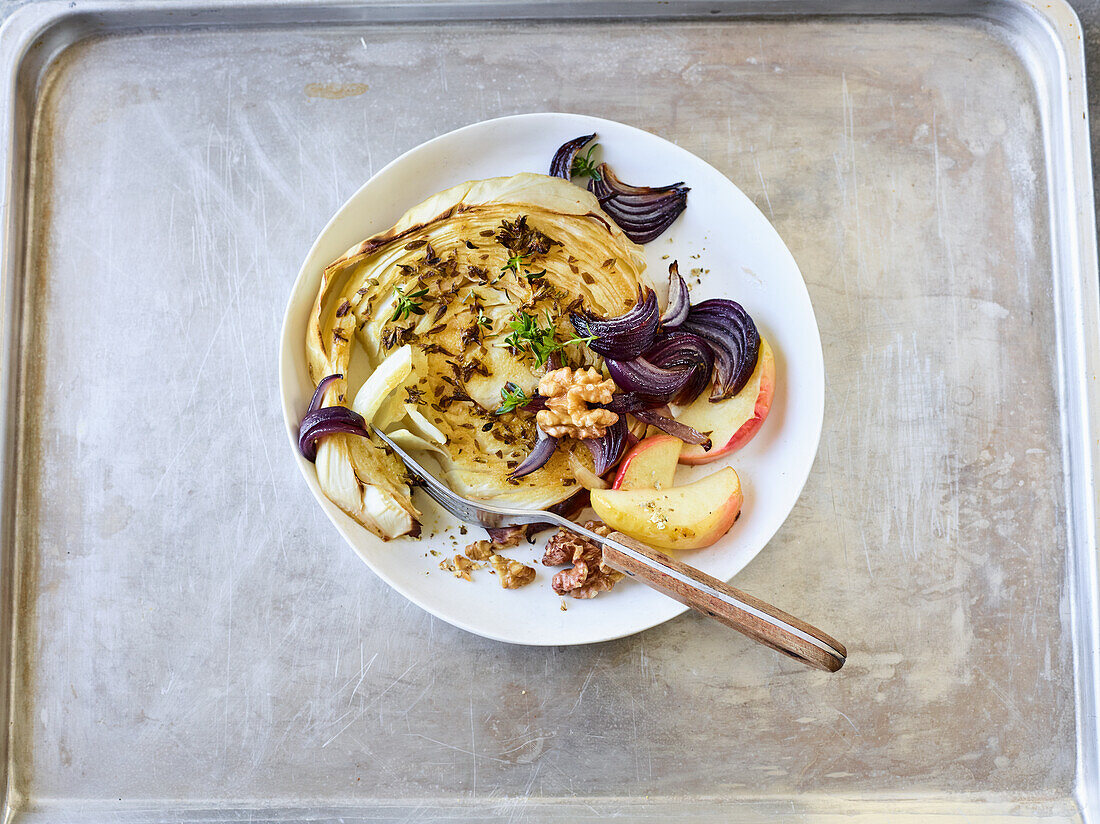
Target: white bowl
{"points": [[721, 233]]}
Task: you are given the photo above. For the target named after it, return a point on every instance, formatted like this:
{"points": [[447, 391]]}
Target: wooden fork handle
{"points": [[759, 621]]}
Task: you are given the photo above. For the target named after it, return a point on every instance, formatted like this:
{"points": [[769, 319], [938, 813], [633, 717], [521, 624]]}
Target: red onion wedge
{"points": [[624, 402], [733, 336], [328, 420], [679, 298], [647, 380], [685, 352], [319, 392], [631, 403], [544, 448], [623, 337], [674, 428], [562, 164], [607, 451], [642, 212]]}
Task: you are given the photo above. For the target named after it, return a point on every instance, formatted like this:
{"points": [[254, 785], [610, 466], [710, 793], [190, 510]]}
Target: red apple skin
{"points": [[749, 428], [640, 451]]}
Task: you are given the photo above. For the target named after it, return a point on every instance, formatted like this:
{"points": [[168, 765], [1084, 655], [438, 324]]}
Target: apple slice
{"points": [[651, 464], [683, 517], [732, 422]]}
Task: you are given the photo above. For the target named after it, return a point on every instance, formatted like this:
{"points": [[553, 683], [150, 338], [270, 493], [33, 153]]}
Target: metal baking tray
{"points": [[188, 640]]}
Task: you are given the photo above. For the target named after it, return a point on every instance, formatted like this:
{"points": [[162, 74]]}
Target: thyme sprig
{"points": [[540, 342], [515, 263], [512, 397], [585, 166], [407, 304]]}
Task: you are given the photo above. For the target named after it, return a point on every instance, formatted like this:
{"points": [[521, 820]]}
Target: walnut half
{"points": [[568, 395], [588, 577]]}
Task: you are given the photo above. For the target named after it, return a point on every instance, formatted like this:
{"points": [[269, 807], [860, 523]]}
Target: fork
{"points": [[716, 599]]}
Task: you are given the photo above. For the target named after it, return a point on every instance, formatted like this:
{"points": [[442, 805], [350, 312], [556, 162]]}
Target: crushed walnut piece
{"points": [[463, 567], [480, 551], [568, 395], [460, 567], [513, 574], [503, 538], [588, 576]]}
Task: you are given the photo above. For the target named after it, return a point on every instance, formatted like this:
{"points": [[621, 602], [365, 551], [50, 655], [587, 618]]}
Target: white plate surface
{"points": [[722, 232]]}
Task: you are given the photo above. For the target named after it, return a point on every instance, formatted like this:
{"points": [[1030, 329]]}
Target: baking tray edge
{"points": [[34, 36]]}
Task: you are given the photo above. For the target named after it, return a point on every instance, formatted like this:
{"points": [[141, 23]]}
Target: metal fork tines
{"points": [[464, 509]]}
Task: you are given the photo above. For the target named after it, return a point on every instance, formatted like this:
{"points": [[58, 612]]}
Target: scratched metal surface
{"points": [[197, 643]]}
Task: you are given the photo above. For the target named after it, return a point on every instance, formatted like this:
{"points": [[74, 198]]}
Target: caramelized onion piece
{"points": [[642, 212], [675, 428], [624, 402], [684, 351], [319, 392], [647, 380], [328, 420], [623, 337], [679, 298], [544, 448], [562, 164], [608, 450], [570, 508], [733, 337]]}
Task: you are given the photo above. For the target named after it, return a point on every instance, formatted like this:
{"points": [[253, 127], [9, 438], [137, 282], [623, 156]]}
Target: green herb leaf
{"points": [[512, 397], [540, 342], [585, 166], [407, 304], [515, 262]]}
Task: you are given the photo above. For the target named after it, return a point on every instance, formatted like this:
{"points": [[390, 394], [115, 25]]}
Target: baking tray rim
{"points": [[35, 35]]}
